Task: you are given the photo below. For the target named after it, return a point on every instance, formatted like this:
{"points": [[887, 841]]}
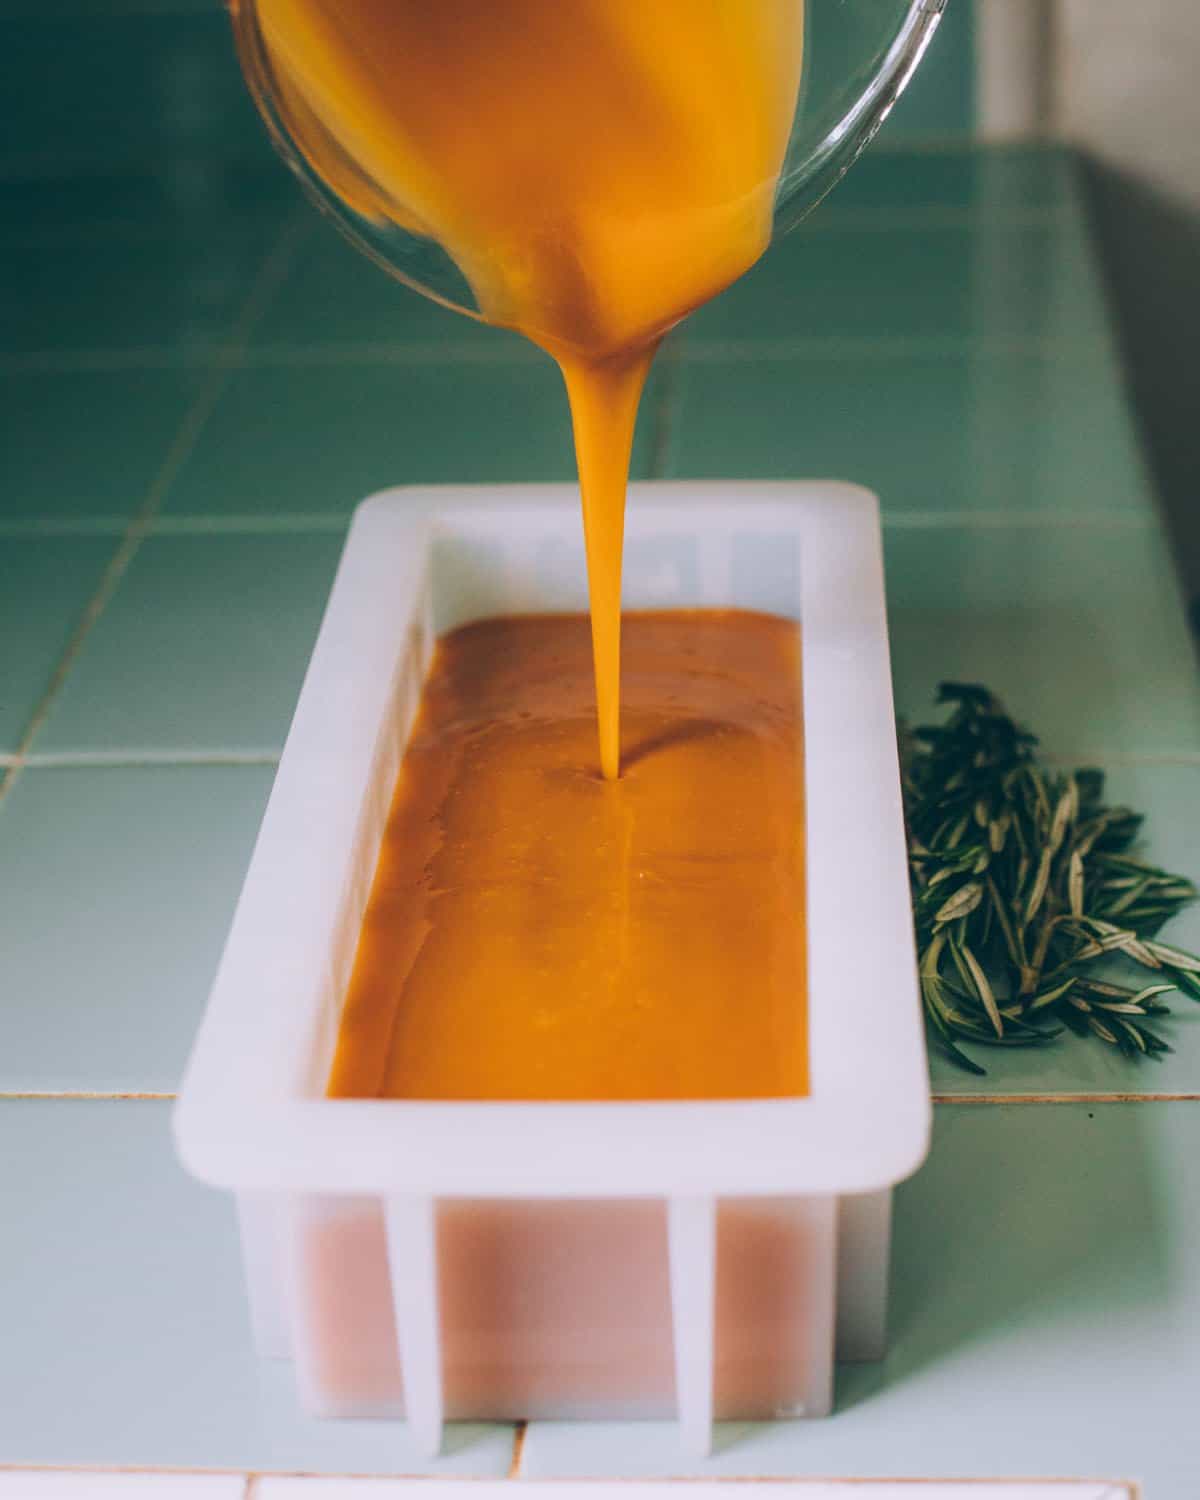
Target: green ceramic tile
{"points": [[185, 196], [119, 888], [202, 648], [1169, 797], [179, 295], [962, 432], [940, 98], [142, 85], [319, 438], [86, 444], [941, 281], [334, 294], [1045, 1295], [980, 182], [1079, 628], [126, 1336], [93, 9], [45, 583]]}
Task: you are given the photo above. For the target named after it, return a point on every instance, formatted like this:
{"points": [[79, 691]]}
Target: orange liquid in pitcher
{"points": [[536, 932], [595, 168]]}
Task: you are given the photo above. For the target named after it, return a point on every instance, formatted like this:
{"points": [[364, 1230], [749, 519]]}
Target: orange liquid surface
{"points": [[537, 932], [595, 168]]}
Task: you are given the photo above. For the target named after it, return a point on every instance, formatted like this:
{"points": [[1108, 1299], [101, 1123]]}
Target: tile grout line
{"points": [[702, 349], [426, 352], [263, 287], [846, 219], [1121, 1490], [117, 760], [520, 1432], [1020, 520], [1111, 1097], [87, 1096]]}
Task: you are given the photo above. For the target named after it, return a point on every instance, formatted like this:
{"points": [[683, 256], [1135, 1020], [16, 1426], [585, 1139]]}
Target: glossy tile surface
{"points": [[121, 425], [333, 295], [936, 280], [1045, 1293], [119, 885], [45, 584], [1002, 184], [202, 649], [109, 84], [170, 295], [1078, 628], [120, 1296], [939, 101], [318, 437], [955, 431], [172, 196]]}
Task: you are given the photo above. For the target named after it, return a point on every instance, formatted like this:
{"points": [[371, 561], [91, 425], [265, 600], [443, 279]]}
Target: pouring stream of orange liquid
{"points": [[595, 168]]}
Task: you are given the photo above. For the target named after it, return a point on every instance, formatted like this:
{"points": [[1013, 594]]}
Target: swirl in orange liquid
{"points": [[534, 932]]}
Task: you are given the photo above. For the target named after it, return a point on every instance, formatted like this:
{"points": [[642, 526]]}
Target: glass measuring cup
{"points": [[858, 55]]}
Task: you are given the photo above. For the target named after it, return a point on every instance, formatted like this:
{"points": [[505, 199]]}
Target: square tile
{"points": [[944, 281], [980, 181], [939, 102], [956, 432], [179, 196], [318, 439], [333, 294], [145, 83], [1169, 797], [1078, 628], [85, 444], [120, 884], [45, 584], [1044, 1295], [122, 1305], [175, 296], [201, 649]]}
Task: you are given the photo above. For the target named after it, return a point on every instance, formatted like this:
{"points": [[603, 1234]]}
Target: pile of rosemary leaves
{"points": [[1025, 889]]}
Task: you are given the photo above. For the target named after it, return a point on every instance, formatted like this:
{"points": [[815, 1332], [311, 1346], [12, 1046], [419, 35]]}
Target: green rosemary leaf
{"points": [[961, 904], [1052, 996], [1075, 884], [1187, 981], [1175, 957], [1023, 883], [983, 989], [1000, 911], [1041, 881]]}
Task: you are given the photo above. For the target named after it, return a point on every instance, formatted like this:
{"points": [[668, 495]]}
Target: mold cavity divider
{"points": [[411, 1227], [413, 1266], [692, 1251]]}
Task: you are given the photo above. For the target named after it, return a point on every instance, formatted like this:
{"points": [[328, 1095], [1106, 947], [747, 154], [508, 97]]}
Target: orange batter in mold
{"points": [[537, 932]]}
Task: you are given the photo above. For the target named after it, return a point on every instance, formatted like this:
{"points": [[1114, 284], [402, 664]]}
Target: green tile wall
{"points": [[940, 100]]}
